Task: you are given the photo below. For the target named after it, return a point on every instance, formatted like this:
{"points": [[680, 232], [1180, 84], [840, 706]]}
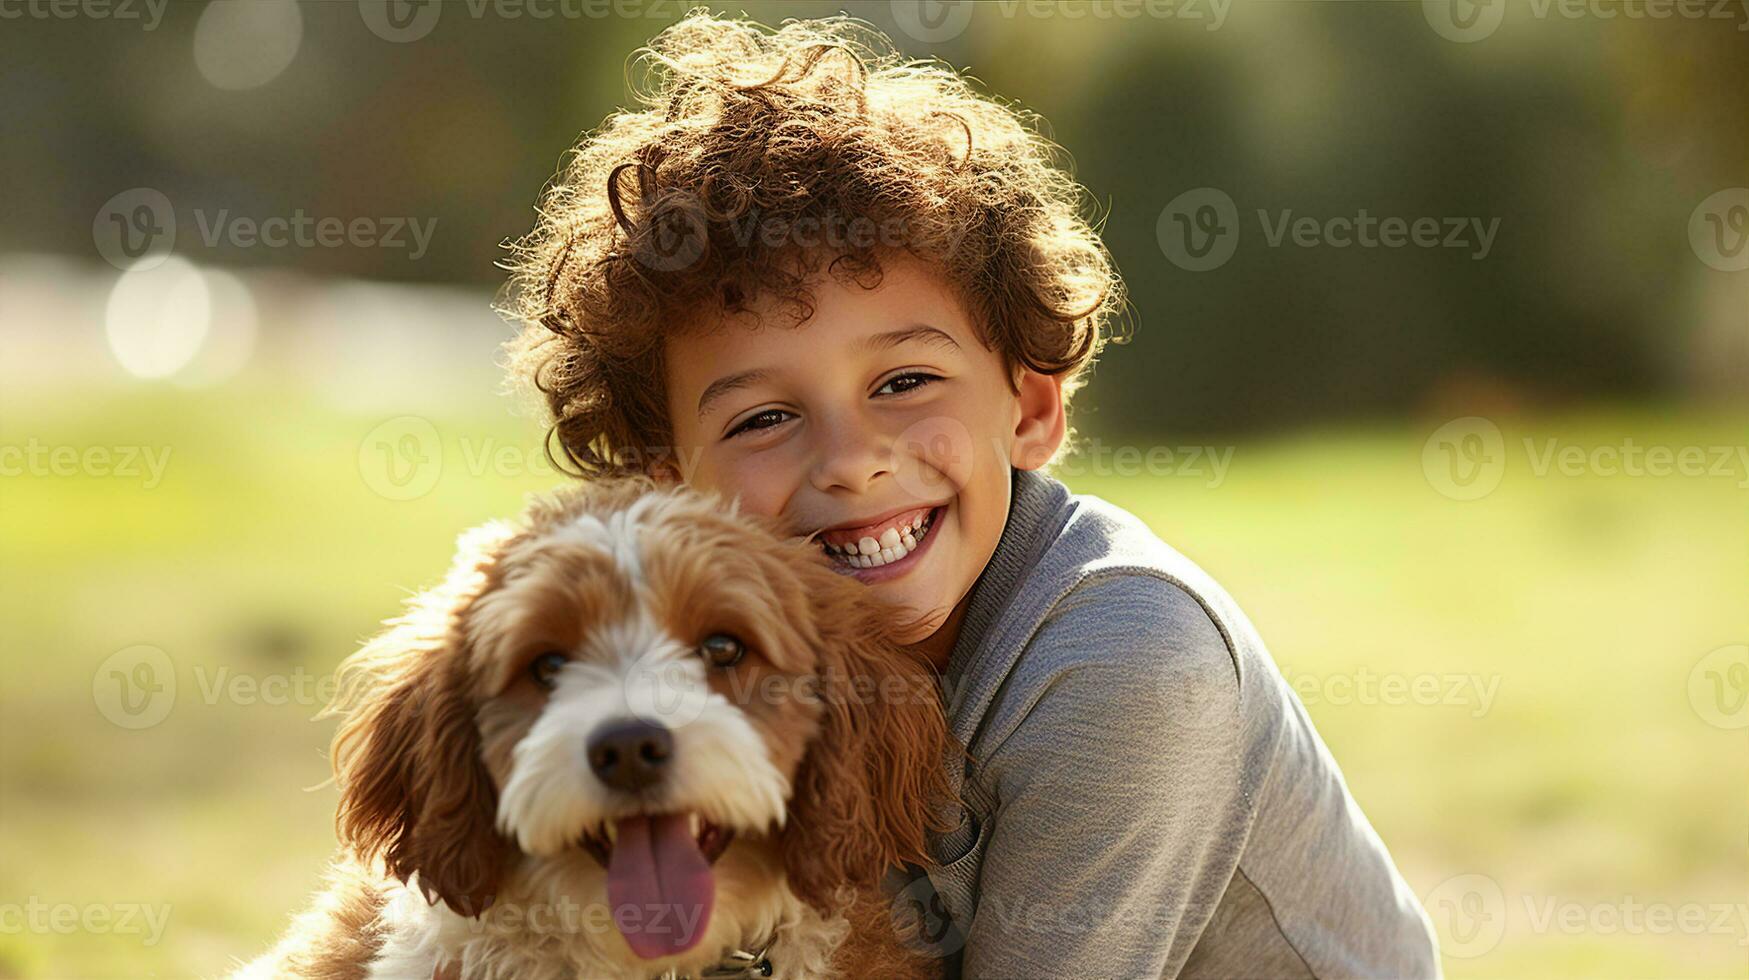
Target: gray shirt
{"points": [[1145, 796]]}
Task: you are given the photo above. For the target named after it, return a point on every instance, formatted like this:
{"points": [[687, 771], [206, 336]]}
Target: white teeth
{"points": [[692, 822], [894, 543]]}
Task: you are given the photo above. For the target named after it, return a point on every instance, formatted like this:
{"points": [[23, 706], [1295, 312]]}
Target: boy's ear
{"points": [[664, 472], [1039, 431]]}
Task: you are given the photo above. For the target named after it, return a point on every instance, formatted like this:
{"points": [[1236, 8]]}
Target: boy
{"points": [[859, 297]]}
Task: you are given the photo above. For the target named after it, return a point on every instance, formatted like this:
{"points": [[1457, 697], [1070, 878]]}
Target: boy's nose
{"points": [[849, 460]]}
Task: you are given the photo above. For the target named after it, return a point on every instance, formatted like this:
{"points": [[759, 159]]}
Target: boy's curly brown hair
{"points": [[763, 154]]}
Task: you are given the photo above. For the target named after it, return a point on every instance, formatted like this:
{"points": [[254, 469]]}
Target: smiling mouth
{"points": [[882, 544]]}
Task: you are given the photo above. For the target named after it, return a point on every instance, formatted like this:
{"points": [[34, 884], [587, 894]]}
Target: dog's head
{"points": [[638, 682]]}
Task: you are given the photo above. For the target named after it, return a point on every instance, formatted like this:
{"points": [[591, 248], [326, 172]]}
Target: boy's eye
{"points": [[910, 381], [760, 420]]}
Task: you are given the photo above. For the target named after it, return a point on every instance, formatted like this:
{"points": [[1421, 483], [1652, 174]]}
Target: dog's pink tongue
{"points": [[659, 885]]}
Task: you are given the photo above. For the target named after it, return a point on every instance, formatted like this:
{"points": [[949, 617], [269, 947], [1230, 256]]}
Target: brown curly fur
{"points": [[418, 796], [821, 132]]}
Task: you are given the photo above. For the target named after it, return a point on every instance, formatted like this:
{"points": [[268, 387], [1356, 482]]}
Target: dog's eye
{"points": [[545, 667], [721, 650]]}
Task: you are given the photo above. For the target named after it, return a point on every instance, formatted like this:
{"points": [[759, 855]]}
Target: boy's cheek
{"points": [[939, 457], [947, 450]]}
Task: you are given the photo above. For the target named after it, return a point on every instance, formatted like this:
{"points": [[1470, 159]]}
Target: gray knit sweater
{"points": [[1146, 797]]}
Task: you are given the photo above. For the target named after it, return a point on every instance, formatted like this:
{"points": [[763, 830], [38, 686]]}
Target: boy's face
{"points": [[882, 422]]}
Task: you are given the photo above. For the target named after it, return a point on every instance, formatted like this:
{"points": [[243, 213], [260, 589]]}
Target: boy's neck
{"points": [[937, 648]]}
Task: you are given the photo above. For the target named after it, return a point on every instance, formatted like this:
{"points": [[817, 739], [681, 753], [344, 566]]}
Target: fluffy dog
{"points": [[637, 733]]}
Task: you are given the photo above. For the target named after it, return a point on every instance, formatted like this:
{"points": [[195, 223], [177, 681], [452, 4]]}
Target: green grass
{"points": [[1591, 779]]}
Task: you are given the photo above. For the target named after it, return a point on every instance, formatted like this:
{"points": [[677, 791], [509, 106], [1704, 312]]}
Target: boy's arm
{"points": [[1122, 794]]}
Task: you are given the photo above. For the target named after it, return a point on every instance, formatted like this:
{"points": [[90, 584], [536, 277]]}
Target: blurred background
{"points": [[1439, 362]]}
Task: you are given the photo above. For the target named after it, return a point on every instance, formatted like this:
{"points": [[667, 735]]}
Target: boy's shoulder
{"points": [[1102, 572], [1080, 586]]}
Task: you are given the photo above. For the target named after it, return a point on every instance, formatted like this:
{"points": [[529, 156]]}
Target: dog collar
{"points": [[740, 964]]}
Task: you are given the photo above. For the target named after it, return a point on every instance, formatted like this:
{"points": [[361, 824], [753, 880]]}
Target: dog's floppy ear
{"points": [[413, 788], [869, 789]]}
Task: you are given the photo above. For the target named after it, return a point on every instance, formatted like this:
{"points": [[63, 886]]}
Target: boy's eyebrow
{"points": [[723, 385], [921, 331]]}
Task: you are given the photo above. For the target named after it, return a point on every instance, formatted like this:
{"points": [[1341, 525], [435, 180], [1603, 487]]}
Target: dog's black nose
{"points": [[630, 754]]}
